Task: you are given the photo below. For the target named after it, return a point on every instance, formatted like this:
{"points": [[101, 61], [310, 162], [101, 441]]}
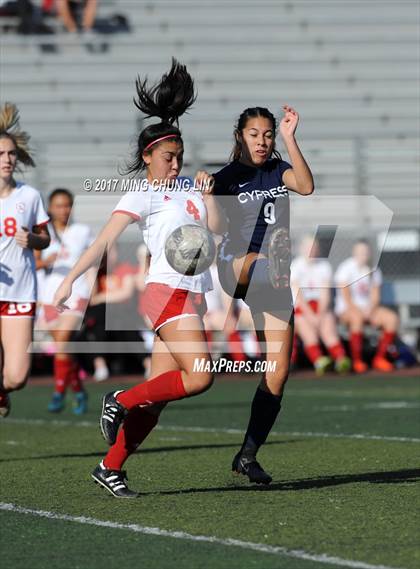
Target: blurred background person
{"points": [[221, 320], [145, 331], [68, 241], [111, 299], [311, 282], [358, 303], [77, 14]]}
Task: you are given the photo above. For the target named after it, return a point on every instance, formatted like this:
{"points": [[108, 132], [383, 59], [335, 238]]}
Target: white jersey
{"points": [[359, 279], [69, 246], [22, 208], [310, 277], [158, 214]]}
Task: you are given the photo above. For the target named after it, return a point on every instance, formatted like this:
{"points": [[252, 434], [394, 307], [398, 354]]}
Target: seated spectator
{"points": [[311, 280], [77, 14], [29, 13], [113, 291], [358, 303]]}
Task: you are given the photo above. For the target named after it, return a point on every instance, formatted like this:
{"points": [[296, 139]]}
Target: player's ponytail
{"points": [[168, 99], [10, 128], [252, 113]]}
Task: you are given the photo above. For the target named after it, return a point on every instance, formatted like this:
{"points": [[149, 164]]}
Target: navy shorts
{"points": [[263, 298]]}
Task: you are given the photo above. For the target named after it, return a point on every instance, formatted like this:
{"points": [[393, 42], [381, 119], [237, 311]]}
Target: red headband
{"points": [[160, 139]]}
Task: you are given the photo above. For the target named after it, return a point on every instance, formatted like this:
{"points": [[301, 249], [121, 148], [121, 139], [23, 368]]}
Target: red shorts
{"points": [[163, 304], [78, 308], [312, 303], [17, 309]]}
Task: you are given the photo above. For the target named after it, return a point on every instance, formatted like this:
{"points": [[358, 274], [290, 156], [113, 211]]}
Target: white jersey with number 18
{"points": [[23, 207]]}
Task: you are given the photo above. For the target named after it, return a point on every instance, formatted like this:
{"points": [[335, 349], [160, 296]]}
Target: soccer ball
{"points": [[190, 249]]}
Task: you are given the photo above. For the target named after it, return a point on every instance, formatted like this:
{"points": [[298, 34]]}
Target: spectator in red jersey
{"points": [[115, 286], [358, 303]]}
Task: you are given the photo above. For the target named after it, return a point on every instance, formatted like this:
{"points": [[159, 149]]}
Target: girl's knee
{"points": [[201, 382], [276, 381], [14, 380]]}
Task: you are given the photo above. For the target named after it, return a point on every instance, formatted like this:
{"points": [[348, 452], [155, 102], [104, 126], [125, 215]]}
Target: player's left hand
{"points": [[22, 237], [204, 182], [289, 122]]}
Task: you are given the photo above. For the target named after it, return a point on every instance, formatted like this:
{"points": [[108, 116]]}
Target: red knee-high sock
{"points": [[136, 427], [75, 382], [313, 352], [235, 347], [356, 344], [62, 370], [386, 339], [337, 351], [167, 386]]}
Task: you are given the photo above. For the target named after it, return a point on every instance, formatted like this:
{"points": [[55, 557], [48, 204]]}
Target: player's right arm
{"points": [[115, 226]]}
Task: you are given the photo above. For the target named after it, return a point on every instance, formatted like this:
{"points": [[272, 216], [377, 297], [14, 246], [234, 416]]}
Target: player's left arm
{"points": [[39, 238], [298, 178]]}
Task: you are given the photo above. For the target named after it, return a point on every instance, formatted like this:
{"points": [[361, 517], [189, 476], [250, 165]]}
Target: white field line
{"points": [[179, 428], [260, 547], [380, 405]]}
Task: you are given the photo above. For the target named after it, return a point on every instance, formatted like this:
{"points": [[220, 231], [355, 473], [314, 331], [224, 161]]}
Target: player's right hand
{"points": [[62, 294]]}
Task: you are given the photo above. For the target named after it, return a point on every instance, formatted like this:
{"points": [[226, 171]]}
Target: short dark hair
{"points": [[61, 192]]}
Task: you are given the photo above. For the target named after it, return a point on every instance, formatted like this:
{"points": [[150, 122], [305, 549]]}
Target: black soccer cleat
{"points": [[279, 258], [113, 481], [112, 416], [248, 466], [4, 405]]}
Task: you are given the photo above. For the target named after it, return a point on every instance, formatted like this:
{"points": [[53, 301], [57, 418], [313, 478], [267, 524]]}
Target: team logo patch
{"points": [[20, 207]]}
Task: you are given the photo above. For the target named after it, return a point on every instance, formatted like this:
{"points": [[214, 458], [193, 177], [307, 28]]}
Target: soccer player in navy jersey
{"points": [[254, 256]]}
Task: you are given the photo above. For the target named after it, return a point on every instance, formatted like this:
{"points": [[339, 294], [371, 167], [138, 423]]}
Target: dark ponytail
{"points": [[168, 99], [252, 113]]}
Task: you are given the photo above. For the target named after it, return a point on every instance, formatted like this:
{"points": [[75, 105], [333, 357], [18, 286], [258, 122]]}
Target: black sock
{"points": [[264, 410]]}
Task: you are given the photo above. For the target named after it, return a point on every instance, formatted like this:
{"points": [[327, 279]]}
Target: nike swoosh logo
{"points": [[242, 185]]}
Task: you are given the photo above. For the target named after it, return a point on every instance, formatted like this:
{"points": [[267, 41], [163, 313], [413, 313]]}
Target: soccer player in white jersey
{"points": [[358, 302], [175, 304], [23, 222], [68, 241], [311, 282]]}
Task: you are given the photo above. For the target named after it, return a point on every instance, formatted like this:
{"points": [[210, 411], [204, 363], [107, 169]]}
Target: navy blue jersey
{"points": [[255, 201]]}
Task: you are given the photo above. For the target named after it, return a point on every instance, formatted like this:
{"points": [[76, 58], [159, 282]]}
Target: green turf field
{"points": [[344, 458]]}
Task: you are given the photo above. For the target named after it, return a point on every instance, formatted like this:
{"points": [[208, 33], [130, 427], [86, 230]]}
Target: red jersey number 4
{"points": [[193, 210]]}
